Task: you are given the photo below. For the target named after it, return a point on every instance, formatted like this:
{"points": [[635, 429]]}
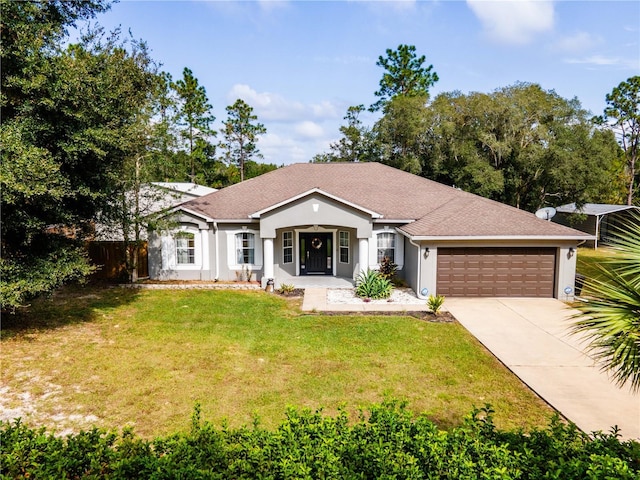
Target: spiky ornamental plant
{"points": [[610, 318], [371, 284]]}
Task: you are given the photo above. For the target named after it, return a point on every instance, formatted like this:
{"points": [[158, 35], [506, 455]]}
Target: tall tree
{"points": [[400, 133], [194, 114], [404, 76], [240, 134], [452, 155], [403, 95], [623, 112], [65, 115], [31, 33], [356, 144], [137, 205], [164, 163]]}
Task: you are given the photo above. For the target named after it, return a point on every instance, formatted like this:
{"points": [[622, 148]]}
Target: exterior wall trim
{"points": [[397, 220], [473, 238], [192, 212]]}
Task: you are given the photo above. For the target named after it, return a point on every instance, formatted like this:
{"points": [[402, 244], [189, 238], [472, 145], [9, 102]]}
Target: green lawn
{"points": [[118, 357], [589, 258]]}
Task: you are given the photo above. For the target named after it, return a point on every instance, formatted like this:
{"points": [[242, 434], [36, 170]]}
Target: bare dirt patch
{"points": [[38, 401]]}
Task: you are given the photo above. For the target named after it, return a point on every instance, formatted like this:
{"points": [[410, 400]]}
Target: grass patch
{"points": [[146, 362], [589, 258]]}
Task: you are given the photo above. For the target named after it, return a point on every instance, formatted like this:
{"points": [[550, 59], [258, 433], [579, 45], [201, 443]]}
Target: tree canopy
{"points": [[520, 145], [66, 118]]}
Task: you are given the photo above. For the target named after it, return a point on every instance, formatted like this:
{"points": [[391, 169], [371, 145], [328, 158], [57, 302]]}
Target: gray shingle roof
{"points": [[431, 208]]}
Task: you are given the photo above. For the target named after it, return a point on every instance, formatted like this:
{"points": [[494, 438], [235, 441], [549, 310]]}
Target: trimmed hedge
{"points": [[386, 443]]}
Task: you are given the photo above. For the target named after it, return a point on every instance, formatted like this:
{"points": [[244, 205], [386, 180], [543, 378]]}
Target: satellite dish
{"points": [[546, 213]]}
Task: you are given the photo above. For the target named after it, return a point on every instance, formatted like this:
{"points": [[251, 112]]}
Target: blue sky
{"points": [[301, 64]]}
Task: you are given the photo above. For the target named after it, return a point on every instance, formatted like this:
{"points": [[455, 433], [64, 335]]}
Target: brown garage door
{"points": [[496, 272]]}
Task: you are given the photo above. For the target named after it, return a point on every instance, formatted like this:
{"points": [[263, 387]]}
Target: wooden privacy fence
{"points": [[110, 259]]}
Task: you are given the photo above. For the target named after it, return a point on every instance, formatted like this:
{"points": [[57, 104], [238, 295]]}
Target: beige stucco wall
{"points": [[315, 209], [227, 269], [161, 248]]}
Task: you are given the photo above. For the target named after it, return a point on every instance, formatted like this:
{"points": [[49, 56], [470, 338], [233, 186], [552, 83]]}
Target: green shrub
{"points": [[388, 441], [435, 303], [371, 284]]}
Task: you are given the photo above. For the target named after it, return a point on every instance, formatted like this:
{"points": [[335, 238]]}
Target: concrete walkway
{"points": [[530, 336]]}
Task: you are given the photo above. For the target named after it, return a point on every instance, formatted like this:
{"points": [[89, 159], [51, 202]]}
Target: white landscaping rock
{"points": [[347, 296]]}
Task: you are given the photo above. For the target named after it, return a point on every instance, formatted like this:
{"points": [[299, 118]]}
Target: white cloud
{"points": [[604, 61], [268, 106], [272, 106], [296, 131], [308, 129], [514, 21], [400, 5], [579, 42], [324, 109], [269, 5], [285, 145], [384, 7], [279, 150]]}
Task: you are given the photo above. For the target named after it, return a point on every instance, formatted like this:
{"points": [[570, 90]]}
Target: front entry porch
{"points": [[314, 256]]}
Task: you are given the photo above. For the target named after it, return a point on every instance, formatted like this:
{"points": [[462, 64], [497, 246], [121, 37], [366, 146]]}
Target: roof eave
{"points": [[497, 237], [402, 221], [209, 219], [204, 217]]}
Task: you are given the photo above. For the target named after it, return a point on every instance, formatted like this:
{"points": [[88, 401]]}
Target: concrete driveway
{"points": [[530, 336]]}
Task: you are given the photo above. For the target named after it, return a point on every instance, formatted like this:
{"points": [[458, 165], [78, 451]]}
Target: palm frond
{"points": [[610, 318], [626, 248]]}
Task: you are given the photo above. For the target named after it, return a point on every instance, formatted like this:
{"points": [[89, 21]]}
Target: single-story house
{"points": [[341, 219], [598, 219]]}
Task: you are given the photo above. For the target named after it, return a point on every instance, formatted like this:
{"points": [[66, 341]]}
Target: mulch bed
{"points": [[442, 317], [296, 292], [193, 282]]}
